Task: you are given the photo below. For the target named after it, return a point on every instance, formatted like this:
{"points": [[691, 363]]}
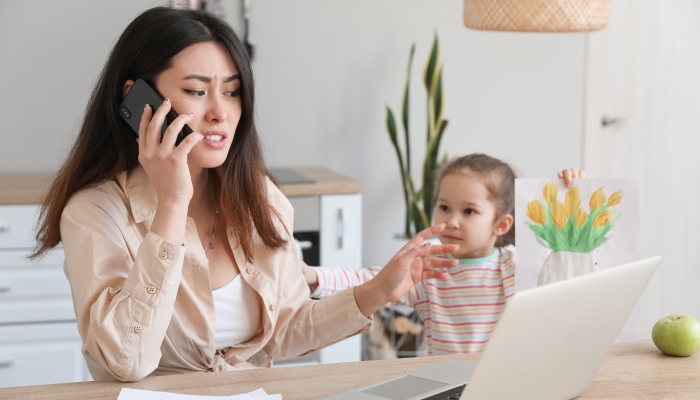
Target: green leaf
{"points": [[431, 64], [429, 169], [429, 79], [438, 96], [419, 219], [391, 127], [405, 106]]}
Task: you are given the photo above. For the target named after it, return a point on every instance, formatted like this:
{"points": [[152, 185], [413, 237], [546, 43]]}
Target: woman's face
{"points": [[204, 80]]}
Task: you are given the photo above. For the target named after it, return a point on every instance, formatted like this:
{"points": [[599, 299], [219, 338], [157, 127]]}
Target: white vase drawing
{"points": [[561, 265]]}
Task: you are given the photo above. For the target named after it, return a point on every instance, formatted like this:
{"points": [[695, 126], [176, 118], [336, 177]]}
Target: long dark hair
{"points": [[499, 178], [105, 145]]}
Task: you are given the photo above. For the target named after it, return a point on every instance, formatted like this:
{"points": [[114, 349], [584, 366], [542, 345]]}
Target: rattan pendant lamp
{"points": [[537, 15]]}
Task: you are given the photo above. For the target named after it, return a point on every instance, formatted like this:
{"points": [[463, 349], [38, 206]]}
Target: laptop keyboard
{"points": [[452, 394]]}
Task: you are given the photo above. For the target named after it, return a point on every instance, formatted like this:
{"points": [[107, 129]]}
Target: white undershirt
{"points": [[237, 313]]}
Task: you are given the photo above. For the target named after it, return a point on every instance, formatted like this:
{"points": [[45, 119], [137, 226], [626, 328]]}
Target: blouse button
{"points": [[151, 289], [273, 307], [138, 328], [163, 255], [249, 270]]}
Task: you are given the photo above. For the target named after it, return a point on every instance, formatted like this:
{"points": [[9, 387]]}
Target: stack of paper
{"points": [[137, 394]]}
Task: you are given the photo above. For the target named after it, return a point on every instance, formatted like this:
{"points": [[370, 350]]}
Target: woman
{"points": [[178, 256]]}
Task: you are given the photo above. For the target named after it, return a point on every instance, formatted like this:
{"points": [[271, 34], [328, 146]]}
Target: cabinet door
{"points": [[341, 231], [40, 354], [341, 247], [17, 225], [34, 292]]}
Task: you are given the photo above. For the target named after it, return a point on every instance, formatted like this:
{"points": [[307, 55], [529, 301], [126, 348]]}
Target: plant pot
{"points": [[564, 265]]}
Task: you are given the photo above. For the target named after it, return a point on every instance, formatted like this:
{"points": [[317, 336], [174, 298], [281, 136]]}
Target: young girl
{"points": [[476, 203]]}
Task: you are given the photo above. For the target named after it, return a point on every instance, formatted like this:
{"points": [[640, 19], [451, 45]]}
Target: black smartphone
{"points": [[143, 93]]}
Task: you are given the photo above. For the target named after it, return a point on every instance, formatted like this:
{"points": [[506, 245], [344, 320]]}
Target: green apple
{"points": [[677, 335]]}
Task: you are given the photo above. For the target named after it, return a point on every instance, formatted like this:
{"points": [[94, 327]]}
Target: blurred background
{"points": [[621, 102], [325, 71]]}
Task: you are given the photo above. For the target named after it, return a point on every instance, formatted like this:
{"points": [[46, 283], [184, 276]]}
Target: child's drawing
{"points": [[571, 230], [562, 233]]}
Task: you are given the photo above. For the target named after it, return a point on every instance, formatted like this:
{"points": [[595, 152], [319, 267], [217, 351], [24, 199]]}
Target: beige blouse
{"points": [[145, 306]]}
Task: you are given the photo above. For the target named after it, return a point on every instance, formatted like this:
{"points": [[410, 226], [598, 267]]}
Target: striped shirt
{"points": [[460, 312]]}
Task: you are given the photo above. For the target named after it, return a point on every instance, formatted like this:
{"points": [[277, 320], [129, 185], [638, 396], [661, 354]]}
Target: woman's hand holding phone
{"points": [[166, 166]]}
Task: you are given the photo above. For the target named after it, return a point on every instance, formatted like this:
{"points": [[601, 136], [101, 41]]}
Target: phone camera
{"points": [[125, 112]]}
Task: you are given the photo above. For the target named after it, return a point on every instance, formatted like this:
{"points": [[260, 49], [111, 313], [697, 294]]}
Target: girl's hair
{"points": [[105, 145], [499, 179]]}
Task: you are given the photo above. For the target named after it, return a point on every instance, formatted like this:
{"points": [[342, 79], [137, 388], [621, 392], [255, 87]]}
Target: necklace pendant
{"points": [[211, 245]]}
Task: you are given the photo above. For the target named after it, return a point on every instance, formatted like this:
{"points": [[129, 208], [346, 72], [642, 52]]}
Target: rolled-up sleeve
{"points": [[302, 324], [305, 325], [123, 292]]}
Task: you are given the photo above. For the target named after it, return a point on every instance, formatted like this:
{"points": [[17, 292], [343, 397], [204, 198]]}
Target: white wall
{"points": [[324, 72]]}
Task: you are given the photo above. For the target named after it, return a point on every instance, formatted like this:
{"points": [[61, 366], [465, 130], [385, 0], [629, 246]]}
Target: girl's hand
{"points": [[309, 275], [409, 266], [568, 176], [165, 164]]}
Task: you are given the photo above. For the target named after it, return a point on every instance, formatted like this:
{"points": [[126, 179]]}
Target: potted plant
{"points": [[385, 341], [419, 202], [569, 231]]}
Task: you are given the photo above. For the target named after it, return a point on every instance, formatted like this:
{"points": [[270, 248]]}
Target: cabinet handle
{"points": [[606, 121], [6, 362], [4, 287], [4, 228], [340, 228], [305, 244]]}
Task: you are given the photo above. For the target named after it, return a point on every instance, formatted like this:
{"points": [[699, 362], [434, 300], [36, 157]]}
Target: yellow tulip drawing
{"points": [[550, 192], [572, 201], [597, 199], [602, 219], [535, 211], [615, 198], [581, 217], [558, 214], [570, 226]]}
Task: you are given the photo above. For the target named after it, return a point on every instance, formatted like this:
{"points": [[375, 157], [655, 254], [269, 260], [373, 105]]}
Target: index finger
{"points": [[422, 236], [443, 249], [567, 178], [143, 128], [156, 124], [409, 251]]}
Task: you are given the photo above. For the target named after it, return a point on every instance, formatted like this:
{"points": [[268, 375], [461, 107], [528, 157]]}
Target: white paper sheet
{"points": [[622, 247], [137, 394]]}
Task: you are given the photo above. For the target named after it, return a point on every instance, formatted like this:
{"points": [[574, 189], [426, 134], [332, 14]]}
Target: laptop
{"points": [[548, 344]]}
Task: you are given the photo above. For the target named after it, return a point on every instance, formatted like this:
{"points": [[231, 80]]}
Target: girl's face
{"points": [[470, 219], [204, 80]]}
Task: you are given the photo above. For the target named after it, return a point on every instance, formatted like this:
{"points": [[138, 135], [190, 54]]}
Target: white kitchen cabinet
{"points": [[341, 230], [40, 354], [39, 341], [341, 247]]}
